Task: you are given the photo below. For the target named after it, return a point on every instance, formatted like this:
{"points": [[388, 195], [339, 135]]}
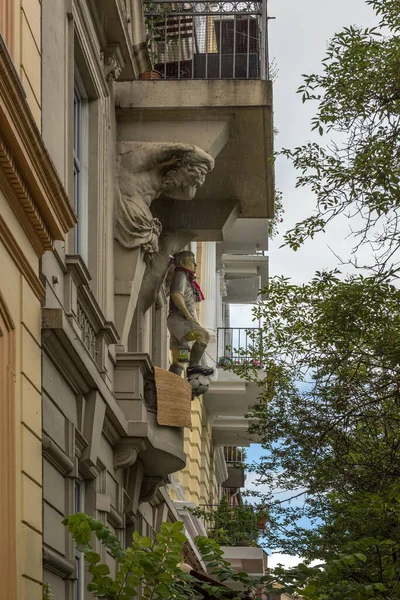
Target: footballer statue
{"points": [[183, 324]]}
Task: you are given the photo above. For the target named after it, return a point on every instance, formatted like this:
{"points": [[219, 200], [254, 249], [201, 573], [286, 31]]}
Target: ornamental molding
{"points": [[40, 200], [112, 62], [57, 457], [126, 453], [21, 200], [112, 68]]}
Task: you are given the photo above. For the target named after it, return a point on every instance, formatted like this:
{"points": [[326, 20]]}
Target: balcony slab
{"points": [[230, 395], [230, 119]]}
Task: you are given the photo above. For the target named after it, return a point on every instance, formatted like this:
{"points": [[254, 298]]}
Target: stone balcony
{"points": [[158, 447]]}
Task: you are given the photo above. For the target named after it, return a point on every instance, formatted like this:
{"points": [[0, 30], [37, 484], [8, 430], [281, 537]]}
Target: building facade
{"points": [[150, 142], [34, 212]]}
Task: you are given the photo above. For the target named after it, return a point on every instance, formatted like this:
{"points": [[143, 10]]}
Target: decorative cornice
{"points": [[21, 193], [26, 163], [19, 258]]}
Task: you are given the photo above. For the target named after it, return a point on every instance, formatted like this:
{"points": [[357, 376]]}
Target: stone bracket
{"points": [[149, 488], [95, 410], [126, 452]]}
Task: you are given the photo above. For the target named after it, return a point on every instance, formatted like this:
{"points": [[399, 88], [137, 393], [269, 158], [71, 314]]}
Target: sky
{"points": [[297, 41]]}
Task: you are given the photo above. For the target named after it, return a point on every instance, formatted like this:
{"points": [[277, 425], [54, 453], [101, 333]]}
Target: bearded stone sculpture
{"points": [[145, 171]]}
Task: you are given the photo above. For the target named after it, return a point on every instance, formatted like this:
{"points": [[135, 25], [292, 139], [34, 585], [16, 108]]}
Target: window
{"points": [[79, 558], [81, 127]]}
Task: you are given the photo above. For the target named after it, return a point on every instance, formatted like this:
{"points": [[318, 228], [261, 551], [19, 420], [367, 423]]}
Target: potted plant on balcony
{"points": [[230, 525], [158, 14]]}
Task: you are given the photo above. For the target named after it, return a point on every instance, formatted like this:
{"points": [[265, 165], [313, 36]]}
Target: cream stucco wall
{"points": [[18, 273], [25, 311]]}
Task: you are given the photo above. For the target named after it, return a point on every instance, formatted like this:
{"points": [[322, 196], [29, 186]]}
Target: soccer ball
{"points": [[200, 384]]}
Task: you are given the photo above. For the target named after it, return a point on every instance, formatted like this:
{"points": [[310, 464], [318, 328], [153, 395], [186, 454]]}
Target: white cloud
{"points": [[283, 559]]}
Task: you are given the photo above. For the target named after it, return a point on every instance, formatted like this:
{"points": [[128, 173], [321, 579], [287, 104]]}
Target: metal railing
{"points": [[238, 345], [207, 39], [234, 454]]}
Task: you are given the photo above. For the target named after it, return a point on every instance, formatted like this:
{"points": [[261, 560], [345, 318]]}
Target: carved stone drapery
{"points": [[145, 171]]}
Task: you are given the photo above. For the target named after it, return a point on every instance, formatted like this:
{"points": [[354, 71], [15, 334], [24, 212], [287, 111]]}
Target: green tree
{"points": [[329, 421], [151, 569], [355, 170]]}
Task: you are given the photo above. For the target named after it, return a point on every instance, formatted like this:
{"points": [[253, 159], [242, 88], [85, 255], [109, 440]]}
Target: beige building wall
{"points": [[30, 44], [20, 293], [32, 216], [21, 303], [21, 29]]}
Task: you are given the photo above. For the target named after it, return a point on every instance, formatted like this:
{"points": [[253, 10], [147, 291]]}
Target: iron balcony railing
{"points": [[208, 40], [234, 455], [237, 345]]}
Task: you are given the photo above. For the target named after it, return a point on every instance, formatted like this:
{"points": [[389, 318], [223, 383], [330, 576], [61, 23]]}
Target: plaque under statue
{"points": [[183, 324]]}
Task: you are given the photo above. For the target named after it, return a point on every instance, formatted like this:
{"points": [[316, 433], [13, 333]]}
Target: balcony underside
{"points": [[236, 477], [246, 236], [249, 560], [230, 395], [231, 120]]}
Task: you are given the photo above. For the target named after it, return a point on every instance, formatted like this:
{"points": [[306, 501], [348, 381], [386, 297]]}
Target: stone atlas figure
{"points": [[145, 171], [182, 321]]}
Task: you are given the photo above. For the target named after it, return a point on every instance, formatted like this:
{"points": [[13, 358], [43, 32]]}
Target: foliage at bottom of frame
{"points": [[151, 569]]}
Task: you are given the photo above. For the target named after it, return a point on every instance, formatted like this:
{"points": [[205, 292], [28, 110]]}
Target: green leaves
{"points": [[328, 421], [152, 566]]}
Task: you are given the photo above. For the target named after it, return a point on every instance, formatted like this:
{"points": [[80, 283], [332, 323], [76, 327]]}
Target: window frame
{"points": [[81, 167]]}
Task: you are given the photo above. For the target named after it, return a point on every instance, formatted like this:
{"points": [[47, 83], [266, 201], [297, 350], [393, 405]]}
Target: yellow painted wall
{"points": [[25, 311], [197, 478]]}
